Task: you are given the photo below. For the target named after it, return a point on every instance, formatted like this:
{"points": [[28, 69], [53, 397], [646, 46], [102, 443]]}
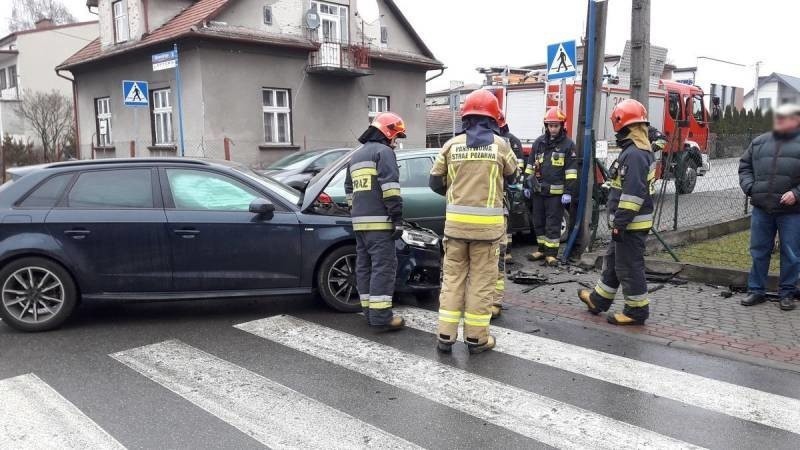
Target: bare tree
{"points": [[25, 13], [50, 116]]}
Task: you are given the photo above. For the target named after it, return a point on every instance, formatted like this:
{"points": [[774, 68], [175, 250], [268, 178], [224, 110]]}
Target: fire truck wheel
{"points": [[687, 180]]}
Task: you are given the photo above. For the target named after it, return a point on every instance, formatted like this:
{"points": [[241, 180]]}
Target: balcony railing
{"points": [[337, 57]]}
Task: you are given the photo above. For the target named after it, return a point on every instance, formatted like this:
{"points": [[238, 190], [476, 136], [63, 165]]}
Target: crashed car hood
{"points": [[319, 183]]}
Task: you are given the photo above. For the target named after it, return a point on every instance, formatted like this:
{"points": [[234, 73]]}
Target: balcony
{"points": [[338, 58]]}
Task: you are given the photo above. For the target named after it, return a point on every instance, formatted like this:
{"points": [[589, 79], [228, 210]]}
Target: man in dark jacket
{"points": [[769, 173], [373, 189]]}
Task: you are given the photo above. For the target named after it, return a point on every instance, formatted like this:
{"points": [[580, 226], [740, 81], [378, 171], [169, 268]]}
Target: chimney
{"points": [[44, 23]]}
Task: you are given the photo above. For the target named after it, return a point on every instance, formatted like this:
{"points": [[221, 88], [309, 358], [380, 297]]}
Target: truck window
{"points": [[674, 105], [697, 108]]}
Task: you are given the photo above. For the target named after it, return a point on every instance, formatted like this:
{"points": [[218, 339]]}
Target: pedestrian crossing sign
{"points": [[561, 60], [135, 93]]}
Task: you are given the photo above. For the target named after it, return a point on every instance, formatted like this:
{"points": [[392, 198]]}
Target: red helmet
{"points": [[481, 103], [628, 112], [390, 124], [501, 121], [554, 115]]}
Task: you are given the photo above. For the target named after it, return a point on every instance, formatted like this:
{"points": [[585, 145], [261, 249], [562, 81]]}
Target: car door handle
{"points": [[77, 233], [187, 233]]}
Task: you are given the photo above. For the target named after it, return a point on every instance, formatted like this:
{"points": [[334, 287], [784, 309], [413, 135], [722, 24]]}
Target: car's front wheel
{"points": [[336, 280], [36, 294]]}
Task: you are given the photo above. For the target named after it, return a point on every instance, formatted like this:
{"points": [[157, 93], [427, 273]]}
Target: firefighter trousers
{"points": [[376, 269], [468, 288], [623, 265], [547, 216], [500, 284]]}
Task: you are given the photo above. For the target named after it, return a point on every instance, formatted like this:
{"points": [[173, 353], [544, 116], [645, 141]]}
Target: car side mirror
{"points": [[262, 206]]}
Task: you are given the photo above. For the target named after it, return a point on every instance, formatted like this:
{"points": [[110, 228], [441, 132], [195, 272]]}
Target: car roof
{"points": [[406, 153], [110, 162]]}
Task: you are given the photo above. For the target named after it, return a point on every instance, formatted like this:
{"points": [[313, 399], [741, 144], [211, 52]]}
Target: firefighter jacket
{"points": [[373, 188], [630, 202], [516, 147], [474, 177], [552, 167]]}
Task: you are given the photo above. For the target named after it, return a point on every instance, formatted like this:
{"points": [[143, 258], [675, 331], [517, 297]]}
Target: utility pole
{"points": [[755, 89], [591, 89], [640, 51]]}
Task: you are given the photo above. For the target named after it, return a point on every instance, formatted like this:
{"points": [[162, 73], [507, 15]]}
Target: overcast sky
{"points": [[465, 34]]}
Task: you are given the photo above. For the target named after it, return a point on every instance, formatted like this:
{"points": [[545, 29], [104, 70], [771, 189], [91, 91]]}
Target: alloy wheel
{"points": [[342, 280], [33, 295]]}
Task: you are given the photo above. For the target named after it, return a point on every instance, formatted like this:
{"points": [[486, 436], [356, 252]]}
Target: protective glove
{"points": [[397, 232], [515, 187], [526, 193], [566, 199], [617, 234]]}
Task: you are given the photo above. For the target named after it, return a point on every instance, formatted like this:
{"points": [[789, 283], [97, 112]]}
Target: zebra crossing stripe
{"points": [[549, 421], [269, 412], [34, 416], [738, 401]]}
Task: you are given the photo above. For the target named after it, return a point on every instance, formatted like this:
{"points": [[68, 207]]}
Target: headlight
{"points": [[419, 238]]}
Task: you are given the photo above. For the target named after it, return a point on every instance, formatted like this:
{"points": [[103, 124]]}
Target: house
{"points": [[774, 90], [270, 76], [442, 118], [27, 61]]}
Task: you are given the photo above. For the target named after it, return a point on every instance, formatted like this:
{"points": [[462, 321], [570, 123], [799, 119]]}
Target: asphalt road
{"points": [[291, 374]]}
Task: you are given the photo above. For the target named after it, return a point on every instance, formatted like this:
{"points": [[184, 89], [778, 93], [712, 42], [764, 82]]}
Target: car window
{"points": [[325, 160], [288, 193], [336, 187], [127, 188], [294, 160], [697, 108], [414, 172], [202, 190], [48, 193]]}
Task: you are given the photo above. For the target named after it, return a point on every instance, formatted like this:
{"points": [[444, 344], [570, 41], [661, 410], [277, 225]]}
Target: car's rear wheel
{"points": [[566, 222], [36, 294], [336, 280]]}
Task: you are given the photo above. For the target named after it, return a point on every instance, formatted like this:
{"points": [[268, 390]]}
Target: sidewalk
{"points": [[693, 315]]}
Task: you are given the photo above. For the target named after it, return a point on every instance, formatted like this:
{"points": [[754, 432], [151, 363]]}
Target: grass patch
{"points": [[731, 251]]}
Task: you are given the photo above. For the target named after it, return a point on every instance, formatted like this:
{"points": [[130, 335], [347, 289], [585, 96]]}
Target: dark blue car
{"points": [[175, 229]]}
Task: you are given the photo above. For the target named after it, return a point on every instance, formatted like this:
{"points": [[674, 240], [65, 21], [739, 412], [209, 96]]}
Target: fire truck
{"points": [[676, 109]]}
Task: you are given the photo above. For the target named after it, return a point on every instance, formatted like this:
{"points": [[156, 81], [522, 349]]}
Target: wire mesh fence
{"points": [[695, 196]]}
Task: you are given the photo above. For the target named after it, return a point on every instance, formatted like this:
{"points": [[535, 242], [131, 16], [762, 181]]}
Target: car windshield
{"points": [[294, 161], [287, 193]]}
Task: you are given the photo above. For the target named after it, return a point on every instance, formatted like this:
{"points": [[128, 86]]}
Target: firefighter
{"points": [[373, 190], [552, 179], [470, 171], [630, 207], [510, 190]]}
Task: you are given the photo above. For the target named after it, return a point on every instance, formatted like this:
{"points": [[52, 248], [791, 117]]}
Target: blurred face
{"points": [[553, 128], [786, 124]]}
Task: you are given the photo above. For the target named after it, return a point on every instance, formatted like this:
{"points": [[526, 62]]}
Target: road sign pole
{"points": [[562, 93], [179, 97]]}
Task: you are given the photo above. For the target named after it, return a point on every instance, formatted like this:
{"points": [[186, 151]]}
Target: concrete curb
{"points": [[682, 345], [697, 233]]}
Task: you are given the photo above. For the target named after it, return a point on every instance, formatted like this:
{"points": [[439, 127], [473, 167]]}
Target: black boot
{"points": [[475, 348], [630, 316], [754, 299], [787, 303], [444, 343]]}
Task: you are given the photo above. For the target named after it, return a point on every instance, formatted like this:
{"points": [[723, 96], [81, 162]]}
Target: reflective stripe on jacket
{"points": [[630, 201], [474, 179], [554, 164], [373, 188]]}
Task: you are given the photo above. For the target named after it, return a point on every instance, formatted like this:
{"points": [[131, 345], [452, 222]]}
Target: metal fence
{"points": [[715, 198]]}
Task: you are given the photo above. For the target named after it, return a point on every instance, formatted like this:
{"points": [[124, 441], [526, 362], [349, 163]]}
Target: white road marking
{"points": [[271, 413], [34, 416], [549, 421], [738, 401]]}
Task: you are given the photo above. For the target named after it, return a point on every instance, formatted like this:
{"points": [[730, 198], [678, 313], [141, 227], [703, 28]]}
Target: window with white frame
{"points": [[102, 108], [376, 105], [277, 116], [162, 117], [120, 13], [12, 76], [333, 22]]}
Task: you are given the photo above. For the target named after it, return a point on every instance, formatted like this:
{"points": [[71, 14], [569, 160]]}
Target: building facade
{"points": [[724, 82], [27, 62], [773, 91], [269, 76]]}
